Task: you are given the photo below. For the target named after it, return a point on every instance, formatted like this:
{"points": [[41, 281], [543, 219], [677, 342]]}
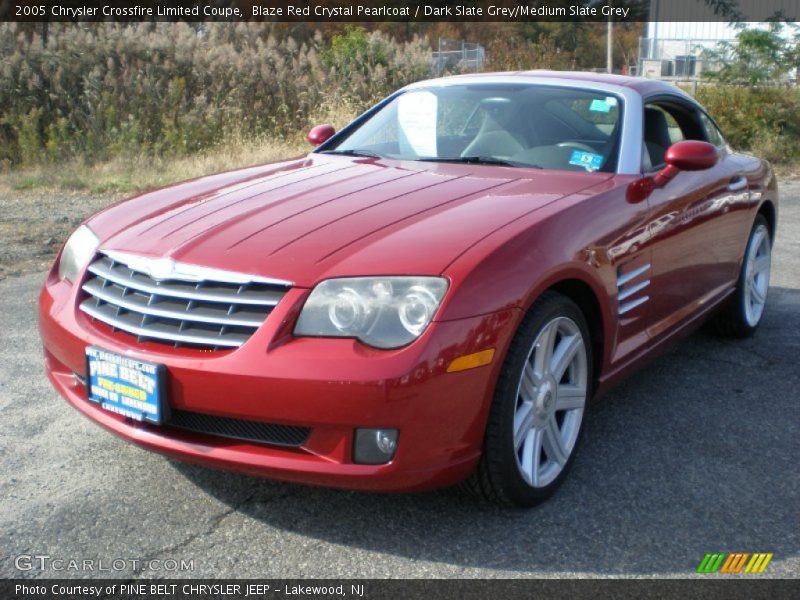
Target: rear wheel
{"points": [[742, 314], [537, 414]]}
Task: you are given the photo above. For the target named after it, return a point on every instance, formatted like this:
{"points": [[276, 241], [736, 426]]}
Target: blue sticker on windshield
{"points": [[588, 160], [600, 106]]}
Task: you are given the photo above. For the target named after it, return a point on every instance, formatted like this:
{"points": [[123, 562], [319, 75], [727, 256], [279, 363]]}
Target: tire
{"points": [[744, 310], [534, 408]]}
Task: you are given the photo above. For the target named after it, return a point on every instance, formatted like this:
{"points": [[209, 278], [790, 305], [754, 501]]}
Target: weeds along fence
{"points": [[97, 91], [101, 90], [764, 120]]}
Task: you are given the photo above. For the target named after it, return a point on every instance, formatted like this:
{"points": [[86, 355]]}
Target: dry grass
{"points": [[134, 174], [125, 175], [787, 171], [162, 89]]}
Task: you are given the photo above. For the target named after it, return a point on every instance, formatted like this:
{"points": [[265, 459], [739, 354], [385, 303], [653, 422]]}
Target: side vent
{"points": [[629, 287]]}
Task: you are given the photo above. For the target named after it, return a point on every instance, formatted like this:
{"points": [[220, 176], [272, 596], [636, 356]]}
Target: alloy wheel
{"points": [[551, 399], [756, 275]]}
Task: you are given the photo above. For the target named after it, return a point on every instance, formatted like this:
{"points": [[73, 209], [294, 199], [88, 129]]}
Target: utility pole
{"points": [[609, 39]]}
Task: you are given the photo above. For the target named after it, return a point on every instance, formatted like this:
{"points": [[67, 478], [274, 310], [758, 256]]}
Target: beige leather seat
{"points": [[493, 143], [495, 137], [656, 135]]}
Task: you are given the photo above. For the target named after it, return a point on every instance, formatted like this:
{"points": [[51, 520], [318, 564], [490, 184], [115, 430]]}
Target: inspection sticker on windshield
{"points": [[603, 106], [588, 160], [131, 388]]}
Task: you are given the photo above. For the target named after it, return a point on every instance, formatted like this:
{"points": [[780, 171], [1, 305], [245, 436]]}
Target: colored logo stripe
{"points": [[733, 562], [710, 563], [758, 563]]}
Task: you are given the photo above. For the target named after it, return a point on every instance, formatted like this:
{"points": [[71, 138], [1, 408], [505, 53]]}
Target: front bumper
{"points": [[331, 386]]}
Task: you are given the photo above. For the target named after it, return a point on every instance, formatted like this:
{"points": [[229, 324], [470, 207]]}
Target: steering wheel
{"points": [[577, 145]]}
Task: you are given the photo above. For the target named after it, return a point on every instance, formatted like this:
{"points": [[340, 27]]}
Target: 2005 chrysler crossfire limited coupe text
{"points": [[432, 296]]}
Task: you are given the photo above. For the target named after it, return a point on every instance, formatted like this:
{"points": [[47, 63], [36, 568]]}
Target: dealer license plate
{"points": [[126, 386]]}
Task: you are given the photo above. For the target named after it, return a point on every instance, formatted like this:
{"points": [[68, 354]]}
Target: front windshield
{"points": [[536, 126]]}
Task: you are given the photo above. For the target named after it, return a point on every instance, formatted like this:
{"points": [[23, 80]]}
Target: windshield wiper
{"points": [[355, 152], [479, 160]]}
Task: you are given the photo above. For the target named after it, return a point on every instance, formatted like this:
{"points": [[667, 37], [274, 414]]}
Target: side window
{"points": [[713, 134], [666, 123]]}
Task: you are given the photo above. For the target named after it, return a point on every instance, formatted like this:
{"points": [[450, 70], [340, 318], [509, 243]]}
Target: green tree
{"points": [[757, 56], [355, 49]]}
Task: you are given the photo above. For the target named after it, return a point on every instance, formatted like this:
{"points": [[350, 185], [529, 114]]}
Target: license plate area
{"points": [[126, 386]]}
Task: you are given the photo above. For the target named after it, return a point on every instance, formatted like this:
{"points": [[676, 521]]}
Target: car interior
{"points": [[668, 122], [540, 130]]}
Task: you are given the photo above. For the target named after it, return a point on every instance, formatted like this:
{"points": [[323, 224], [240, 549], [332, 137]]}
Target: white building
{"points": [[673, 49]]}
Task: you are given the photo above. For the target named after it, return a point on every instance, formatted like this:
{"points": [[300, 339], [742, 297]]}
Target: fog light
{"points": [[375, 446]]}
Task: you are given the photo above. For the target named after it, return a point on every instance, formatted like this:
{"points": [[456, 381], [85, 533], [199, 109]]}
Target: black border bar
{"points": [[705, 588], [365, 11]]}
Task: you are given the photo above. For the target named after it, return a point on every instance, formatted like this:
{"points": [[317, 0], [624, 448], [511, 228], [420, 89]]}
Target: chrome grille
{"points": [[182, 304]]}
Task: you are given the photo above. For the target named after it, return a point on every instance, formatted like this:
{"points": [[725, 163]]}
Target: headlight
{"points": [[384, 312], [78, 251]]}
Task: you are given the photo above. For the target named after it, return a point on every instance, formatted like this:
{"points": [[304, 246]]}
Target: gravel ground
{"points": [[697, 453], [33, 226]]}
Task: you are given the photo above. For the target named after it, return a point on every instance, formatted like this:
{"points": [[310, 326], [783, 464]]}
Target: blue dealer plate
{"points": [[126, 386]]}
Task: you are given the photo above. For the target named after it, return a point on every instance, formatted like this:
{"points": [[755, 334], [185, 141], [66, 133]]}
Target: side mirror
{"points": [[320, 134], [688, 155], [691, 155]]}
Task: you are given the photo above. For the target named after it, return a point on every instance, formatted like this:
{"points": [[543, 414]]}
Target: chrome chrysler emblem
{"points": [[161, 268]]}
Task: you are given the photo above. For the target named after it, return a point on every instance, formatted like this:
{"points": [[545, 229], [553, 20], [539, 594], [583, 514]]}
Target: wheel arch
{"points": [[584, 295], [767, 210]]}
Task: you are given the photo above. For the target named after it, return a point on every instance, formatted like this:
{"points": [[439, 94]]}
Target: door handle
{"points": [[737, 183]]}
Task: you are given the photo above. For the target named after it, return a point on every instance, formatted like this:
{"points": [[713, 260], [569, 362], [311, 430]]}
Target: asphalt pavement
{"points": [[696, 453]]}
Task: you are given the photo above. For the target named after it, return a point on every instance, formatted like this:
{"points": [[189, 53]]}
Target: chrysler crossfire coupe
{"points": [[432, 296]]}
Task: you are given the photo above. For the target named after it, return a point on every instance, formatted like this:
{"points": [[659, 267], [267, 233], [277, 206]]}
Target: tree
{"points": [[757, 56]]}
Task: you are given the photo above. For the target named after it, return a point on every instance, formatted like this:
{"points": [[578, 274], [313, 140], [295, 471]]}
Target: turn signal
{"points": [[471, 361]]}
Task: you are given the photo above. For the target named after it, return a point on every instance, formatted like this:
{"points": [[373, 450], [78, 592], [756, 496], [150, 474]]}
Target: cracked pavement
{"points": [[696, 453]]}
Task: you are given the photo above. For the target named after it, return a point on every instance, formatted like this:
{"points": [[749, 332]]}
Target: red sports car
{"points": [[432, 296]]}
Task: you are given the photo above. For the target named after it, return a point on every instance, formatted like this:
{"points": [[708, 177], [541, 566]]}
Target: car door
{"points": [[735, 218], [691, 234]]}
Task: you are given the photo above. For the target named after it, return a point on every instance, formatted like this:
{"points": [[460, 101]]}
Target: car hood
{"points": [[326, 216]]}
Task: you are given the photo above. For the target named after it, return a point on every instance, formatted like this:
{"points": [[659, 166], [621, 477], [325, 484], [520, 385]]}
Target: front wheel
{"points": [[537, 413], [742, 314]]}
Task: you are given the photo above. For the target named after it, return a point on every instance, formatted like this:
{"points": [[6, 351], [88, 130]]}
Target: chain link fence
{"points": [[457, 55]]}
